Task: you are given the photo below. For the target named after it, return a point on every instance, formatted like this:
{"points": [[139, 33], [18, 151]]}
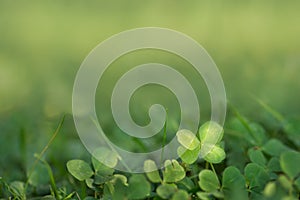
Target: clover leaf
{"points": [[216, 155], [173, 171], [187, 139], [210, 132], [165, 191], [188, 156], [208, 181], [289, 162], [151, 171], [79, 169]]}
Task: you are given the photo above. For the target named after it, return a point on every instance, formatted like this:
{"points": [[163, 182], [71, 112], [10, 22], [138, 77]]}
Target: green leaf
{"points": [[256, 176], [292, 129], [101, 169], [138, 187], [151, 171], [119, 177], [289, 162], [297, 183], [188, 156], [218, 194], [173, 171], [290, 198], [204, 195], [285, 182], [79, 169], [270, 189], [274, 147], [180, 195], [274, 165], [89, 182], [233, 178], [109, 189], [106, 156], [256, 156], [100, 178], [211, 133], [216, 155], [208, 181], [39, 176], [165, 191], [121, 190], [186, 184], [187, 139], [237, 125], [258, 134], [234, 184]]}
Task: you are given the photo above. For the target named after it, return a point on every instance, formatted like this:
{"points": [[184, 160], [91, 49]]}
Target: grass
{"points": [[268, 171]]}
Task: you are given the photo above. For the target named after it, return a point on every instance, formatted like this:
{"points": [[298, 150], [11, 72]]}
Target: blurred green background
{"points": [[255, 44]]}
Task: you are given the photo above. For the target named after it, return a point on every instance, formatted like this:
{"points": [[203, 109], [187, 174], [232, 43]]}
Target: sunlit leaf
{"points": [[187, 139], [180, 195], [216, 155], [79, 169], [173, 171], [188, 156], [151, 171], [106, 156], [211, 132]]}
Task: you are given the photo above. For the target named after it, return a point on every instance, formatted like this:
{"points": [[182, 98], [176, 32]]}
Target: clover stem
{"points": [[212, 167], [206, 165]]}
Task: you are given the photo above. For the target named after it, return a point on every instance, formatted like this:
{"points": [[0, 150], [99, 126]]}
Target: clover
{"points": [[205, 144]]}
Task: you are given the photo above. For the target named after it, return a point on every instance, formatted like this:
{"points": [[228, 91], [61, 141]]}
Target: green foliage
{"points": [[256, 156], [80, 169], [234, 184], [187, 139], [274, 147], [292, 130], [181, 195], [289, 162], [256, 166], [151, 171], [256, 176], [208, 181], [173, 172], [138, 188], [210, 132], [188, 156], [270, 170], [106, 156], [232, 178], [39, 176], [209, 138], [166, 191], [216, 155]]}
